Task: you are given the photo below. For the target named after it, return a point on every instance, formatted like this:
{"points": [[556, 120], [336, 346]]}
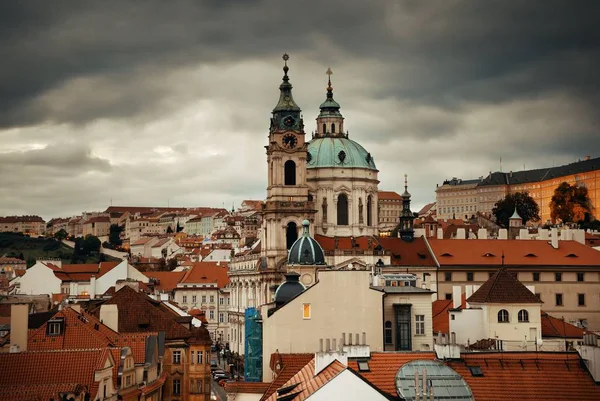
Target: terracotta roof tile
{"points": [[553, 327], [404, 253], [503, 288], [154, 319], [247, 387], [207, 272], [44, 374], [484, 252], [290, 364], [388, 195]]}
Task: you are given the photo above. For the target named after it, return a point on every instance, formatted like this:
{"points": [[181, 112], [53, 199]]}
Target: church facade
{"points": [[326, 186]]}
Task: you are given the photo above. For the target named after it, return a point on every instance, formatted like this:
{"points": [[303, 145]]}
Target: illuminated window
{"points": [[306, 311]]}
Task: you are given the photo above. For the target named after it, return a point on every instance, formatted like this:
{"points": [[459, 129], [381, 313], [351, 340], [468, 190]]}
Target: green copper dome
{"points": [[306, 250], [337, 151]]}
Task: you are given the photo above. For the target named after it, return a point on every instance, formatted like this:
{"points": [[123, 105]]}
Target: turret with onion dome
{"points": [[306, 250], [341, 175], [289, 289]]}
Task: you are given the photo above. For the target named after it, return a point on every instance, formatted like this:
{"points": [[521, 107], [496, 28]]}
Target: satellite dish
{"points": [[540, 342], [584, 323]]}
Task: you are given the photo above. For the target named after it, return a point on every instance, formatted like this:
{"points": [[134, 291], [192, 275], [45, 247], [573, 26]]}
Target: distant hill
{"points": [[17, 245]]}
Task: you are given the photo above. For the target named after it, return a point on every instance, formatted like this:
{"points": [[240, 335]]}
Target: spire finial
{"points": [[329, 73], [405, 182], [285, 58]]}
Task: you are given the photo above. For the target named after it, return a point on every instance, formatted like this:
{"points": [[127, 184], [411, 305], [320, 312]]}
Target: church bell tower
{"points": [[288, 202]]}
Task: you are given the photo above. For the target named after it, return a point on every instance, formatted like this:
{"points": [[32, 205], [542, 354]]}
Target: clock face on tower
{"points": [[289, 121], [290, 141]]}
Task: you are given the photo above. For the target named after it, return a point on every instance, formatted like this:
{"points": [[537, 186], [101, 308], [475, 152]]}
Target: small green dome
{"points": [[306, 250], [338, 152]]}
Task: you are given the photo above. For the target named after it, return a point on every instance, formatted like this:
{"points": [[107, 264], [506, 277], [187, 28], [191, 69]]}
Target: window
{"points": [[420, 325], [127, 380], [523, 316], [448, 276], [448, 296], [184, 299], [221, 317], [503, 316], [199, 357], [388, 332], [536, 276], [469, 276], [306, 311], [580, 276], [53, 328], [476, 371], [177, 357], [220, 300], [211, 315], [193, 299], [557, 276], [559, 299], [176, 386], [363, 365], [291, 234], [369, 211], [203, 299], [580, 299], [289, 173], [212, 299], [342, 210]]}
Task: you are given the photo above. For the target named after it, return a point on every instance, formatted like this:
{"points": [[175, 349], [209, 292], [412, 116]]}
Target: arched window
{"points": [[342, 210], [388, 332], [523, 316], [333, 128], [369, 211], [291, 234], [503, 316], [289, 173], [324, 128]]}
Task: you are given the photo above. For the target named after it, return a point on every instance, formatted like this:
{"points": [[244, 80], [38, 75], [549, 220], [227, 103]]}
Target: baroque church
{"points": [[320, 189]]}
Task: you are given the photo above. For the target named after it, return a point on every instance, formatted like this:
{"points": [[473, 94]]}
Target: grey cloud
{"points": [[58, 156]]}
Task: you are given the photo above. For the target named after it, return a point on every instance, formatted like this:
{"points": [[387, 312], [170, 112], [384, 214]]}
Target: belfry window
{"points": [[291, 234], [342, 210], [289, 173]]}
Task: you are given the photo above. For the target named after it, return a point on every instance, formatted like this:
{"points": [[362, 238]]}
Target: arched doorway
{"points": [[342, 210], [289, 173], [291, 234]]}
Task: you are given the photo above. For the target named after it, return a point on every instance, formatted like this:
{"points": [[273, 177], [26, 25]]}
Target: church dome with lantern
{"points": [[306, 250], [341, 175]]}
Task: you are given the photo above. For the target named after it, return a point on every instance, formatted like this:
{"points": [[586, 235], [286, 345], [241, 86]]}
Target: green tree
{"points": [[114, 236], [61, 234], [169, 230], [527, 208], [91, 244], [570, 204]]}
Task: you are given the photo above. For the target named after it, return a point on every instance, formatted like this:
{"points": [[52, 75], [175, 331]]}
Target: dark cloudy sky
{"points": [[168, 102]]}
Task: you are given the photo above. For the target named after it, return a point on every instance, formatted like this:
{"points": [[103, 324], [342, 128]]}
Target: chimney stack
{"points": [[440, 233], [554, 238], [19, 324], [503, 233], [456, 296], [109, 315], [460, 233]]}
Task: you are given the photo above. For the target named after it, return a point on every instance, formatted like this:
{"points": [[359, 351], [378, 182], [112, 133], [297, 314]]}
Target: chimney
{"points": [[468, 293], [93, 287], [543, 234], [503, 233], [524, 233], [456, 296], [460, 233], [440, 233], [554, 237], [19, 324], [482, 233], [579, 236], [109, 315]]}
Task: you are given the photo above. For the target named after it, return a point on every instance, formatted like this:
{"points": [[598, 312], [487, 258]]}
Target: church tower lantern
{"points": [[406, 231]]}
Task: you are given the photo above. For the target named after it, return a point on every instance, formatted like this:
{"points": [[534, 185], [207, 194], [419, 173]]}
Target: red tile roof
{"points": [[289, 365], [404, 253], [130, 303], [360, 243], [527, 376], [167, 281], [207, 272], [484, 252], [503, 288], [45, 374], [388, 195], [308, 382], [553, 327], [247, 387]]}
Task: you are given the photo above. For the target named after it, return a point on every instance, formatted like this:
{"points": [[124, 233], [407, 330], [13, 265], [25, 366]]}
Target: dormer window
{"points": [[55, 327]]}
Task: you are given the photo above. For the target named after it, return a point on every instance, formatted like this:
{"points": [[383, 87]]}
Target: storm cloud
{"points": [[156, 103]]}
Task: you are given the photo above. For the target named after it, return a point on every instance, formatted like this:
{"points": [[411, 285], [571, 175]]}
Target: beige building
{"points": [[566, 273], [32, 225], [98, 226], [457, 198], [389, 209], [342, 303]]}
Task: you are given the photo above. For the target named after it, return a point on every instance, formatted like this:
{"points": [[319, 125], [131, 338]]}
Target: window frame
{"points": [[306, 311], [580, 298], [388, 338], [176, 357], [176, 386], [503, 316], [419, 325], [558, 296], [536, 276], [523, 316]]}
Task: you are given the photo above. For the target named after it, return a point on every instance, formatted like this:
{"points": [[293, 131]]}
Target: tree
{"points": [[114, 236], [91, 244], [570, 204], [527, 208], [169, 230], [61, 234]]}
